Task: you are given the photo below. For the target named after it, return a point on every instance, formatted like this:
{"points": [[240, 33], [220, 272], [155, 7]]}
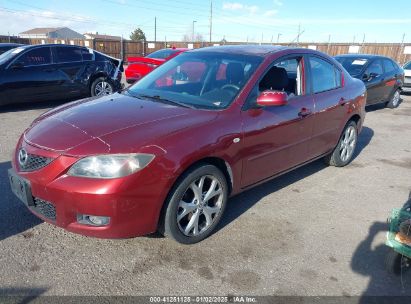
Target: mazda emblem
{"points": [[23, 157]]}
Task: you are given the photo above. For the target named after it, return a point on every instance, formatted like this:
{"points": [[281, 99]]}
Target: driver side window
{"points": [[37, 56], [285, 75]]}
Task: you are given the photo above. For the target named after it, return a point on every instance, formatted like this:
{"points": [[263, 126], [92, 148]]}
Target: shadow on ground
{"points": [[244, 201], [369, 261], [14, 216]]}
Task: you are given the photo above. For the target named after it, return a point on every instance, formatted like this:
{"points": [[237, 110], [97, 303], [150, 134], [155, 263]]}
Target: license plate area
{"points": [[21, 188]]}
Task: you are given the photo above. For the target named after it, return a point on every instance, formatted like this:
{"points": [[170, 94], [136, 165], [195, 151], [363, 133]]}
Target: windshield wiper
{"points": [[165, 100]]}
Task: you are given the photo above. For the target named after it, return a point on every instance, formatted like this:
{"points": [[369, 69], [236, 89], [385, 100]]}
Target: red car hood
{"points": [[86, 127], [155, 61]]}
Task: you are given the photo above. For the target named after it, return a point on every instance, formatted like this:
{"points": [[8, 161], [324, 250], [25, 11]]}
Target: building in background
{"points": [[96, 35], [51, 33]]}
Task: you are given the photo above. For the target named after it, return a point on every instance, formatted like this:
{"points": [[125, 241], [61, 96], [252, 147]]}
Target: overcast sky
{"points": [[267, 20]]}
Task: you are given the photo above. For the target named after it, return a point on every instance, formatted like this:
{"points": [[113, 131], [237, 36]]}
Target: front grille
{"points": [[407, 79], [44, 208], [34, 162]]}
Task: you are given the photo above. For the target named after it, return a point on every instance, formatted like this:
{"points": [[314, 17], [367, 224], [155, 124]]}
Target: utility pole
{"points": [[155, 29], [278, 37], [192, 38], [362, 44], [402, 48], [329, 44], [262, 38], [211, 18], [272, 37], [298, 36], [353, 39]]}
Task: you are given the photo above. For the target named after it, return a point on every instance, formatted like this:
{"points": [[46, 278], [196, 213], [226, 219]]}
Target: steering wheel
{"points": [[230, 86]]}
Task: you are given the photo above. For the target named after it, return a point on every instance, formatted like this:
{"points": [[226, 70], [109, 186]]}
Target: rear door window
{"points": [[388, 66], [68, 54], [37, 56], [375, 67], [86, 54], [325, 76]]}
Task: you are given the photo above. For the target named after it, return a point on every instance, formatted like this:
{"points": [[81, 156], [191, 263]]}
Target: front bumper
{"points": [[133, 203]]}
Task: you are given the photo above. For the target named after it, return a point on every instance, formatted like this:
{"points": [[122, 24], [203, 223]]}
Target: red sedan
{"points": [[141, 66], [166, 154]]}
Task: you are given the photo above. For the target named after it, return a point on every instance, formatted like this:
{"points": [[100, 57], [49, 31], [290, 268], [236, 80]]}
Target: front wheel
{"points": [[195, 205], [101, 86], [396, 263], [395, 100], [344, 151]]}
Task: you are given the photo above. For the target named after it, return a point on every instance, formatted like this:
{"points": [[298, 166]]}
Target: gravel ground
{"points": [[315, 231]]}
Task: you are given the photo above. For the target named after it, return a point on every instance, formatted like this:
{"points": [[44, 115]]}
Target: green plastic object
{"points": [[397, 217]]}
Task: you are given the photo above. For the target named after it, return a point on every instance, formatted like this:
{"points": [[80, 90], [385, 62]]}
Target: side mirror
{"points": [[365, 77], [17, 66], [272, 98], [373, 75]]}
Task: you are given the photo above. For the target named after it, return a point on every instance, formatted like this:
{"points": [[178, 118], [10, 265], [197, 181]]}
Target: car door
{"points": [[31, 76], [71, 69], [277, 138], [390, 77], [374, 81], [330, 104]]}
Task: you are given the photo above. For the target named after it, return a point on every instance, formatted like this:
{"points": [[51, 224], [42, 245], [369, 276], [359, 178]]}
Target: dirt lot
{"points": [[315, 231]]}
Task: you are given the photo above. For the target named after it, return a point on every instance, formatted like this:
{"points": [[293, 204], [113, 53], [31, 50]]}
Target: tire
{"points": [[394, 100], [395, 263], [101, 87], [184, 217], [348, 140]]}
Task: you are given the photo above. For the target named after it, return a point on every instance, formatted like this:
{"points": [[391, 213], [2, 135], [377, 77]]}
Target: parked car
{"points": [[48, 72], [141, 66], [166, 156], [407, 78], [382, 76], [4, 47]]}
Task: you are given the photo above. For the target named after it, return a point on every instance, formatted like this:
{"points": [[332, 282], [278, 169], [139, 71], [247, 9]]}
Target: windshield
{"points": [[9, 54], [407, 66], [198, 79], [353, 65], [162, 54]]}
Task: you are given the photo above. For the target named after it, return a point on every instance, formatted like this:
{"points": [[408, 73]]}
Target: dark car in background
{"points": [[52, 72], [4, 47], [382, 76]]}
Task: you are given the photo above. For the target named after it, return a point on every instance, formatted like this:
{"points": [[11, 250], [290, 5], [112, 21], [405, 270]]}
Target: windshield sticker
{"points": [[359, 62]]}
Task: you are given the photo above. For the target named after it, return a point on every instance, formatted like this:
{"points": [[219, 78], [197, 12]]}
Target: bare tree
{"points": [[197, 38]]}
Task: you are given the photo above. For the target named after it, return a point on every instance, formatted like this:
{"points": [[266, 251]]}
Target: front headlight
{"points": [[110, 166]]}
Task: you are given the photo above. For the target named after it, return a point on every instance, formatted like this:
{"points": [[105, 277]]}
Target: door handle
{"points": [[342, 101], [304, 112]]}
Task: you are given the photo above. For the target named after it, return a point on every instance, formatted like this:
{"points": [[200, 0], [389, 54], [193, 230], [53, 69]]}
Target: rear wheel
{"points": [[195, 205], [101, 86], [345, 148], [395, 100]]}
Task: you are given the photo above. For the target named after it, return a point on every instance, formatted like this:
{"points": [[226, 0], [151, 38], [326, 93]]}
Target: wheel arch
{"points": [[95, 76], [218, 162]]}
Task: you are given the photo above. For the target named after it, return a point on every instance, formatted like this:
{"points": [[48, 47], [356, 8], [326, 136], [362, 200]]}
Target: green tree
{"points": [[138, 35]]}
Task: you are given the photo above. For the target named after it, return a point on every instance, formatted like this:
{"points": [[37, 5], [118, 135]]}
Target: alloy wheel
{"points": [[103, 88], [396, 99], [200, 205], [348, 143]]}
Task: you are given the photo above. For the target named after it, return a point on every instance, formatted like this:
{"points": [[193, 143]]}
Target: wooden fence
{"points": [[126, 48]]}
